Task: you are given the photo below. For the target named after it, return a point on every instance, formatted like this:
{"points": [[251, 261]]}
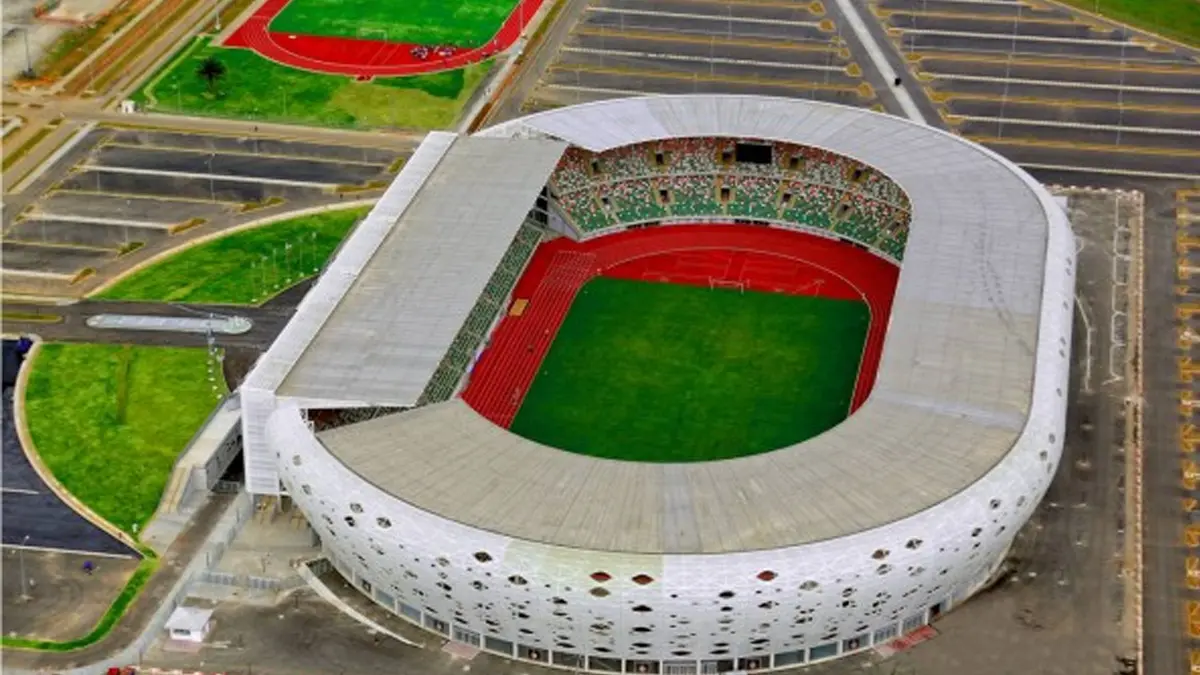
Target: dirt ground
{"points": [[63, 602]]}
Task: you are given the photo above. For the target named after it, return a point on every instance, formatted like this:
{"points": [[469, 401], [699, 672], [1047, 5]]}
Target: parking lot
{"points": [[767, 47], [119, 191], [1053, 90]]}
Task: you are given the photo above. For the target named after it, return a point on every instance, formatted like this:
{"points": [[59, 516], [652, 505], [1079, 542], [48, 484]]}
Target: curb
{"points": [[249, 225], [35, 460]]}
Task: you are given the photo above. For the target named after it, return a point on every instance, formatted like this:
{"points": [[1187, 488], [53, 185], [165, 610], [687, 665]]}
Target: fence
{"points": [[237, 514], [250, 582]]}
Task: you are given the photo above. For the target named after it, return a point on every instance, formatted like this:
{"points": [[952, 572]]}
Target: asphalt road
{"points": [[268, 321], [32, 515]]}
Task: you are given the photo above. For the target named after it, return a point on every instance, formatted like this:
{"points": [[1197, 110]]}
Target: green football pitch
{"points": [[464, 23], [656, 372]]}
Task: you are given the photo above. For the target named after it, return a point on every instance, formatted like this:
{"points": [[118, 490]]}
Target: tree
{"points": [[211, 71]]}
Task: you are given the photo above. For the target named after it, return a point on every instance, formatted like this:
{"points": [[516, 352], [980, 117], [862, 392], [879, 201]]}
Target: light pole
{"points": [[212, 188], [28, 61], [21, 558]]}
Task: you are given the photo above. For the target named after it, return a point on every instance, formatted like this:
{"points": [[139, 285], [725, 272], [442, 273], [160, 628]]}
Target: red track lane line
{"points": [[509, 365]]}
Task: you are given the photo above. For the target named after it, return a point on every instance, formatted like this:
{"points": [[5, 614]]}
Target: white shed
{"points": [[190, 624]]}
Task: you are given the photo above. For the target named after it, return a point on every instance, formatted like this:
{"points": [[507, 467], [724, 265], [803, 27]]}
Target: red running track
{"points": [[365, 59], [761, 259]]}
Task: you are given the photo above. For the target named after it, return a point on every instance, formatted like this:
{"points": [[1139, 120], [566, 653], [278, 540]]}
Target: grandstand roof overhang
{"points": [[975, 350], [375, 327]]}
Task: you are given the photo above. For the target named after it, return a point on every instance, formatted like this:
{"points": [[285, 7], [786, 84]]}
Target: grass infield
{"points": [[110, 420], [231, 270], [656, 372], [259, 89], [465, 23]]}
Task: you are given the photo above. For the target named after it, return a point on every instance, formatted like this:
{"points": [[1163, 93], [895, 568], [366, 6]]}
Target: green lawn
{"points": [[669, 373], [231, 270], [465, 23], [1177, 19], [110, 420], [260, 89]]}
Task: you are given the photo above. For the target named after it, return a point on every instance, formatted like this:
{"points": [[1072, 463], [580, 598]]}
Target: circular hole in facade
{"points": [[349, 520], [483, 556], [599, 592], [517, 580], [601, 577], [642, 609], [913, 544], [355, 507], [767, 575], [383, 522], [880, 554], [296, 461], [306, 489], [643, 579], [725, 595], [809, 586]]}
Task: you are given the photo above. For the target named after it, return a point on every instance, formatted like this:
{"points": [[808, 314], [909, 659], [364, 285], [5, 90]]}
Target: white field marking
{"points": [[701, 59], [51, 549], [907, 104], [89, 220], [1026, 38], [1071, 85], [703, 17], [1087, 344], [1108, 172], [37, 274], [206, 176], [1080, 125], [18, 491]]}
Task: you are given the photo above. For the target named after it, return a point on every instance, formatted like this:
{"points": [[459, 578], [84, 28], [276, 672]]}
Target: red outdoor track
{"points": [[365, 59], [760, 258]]}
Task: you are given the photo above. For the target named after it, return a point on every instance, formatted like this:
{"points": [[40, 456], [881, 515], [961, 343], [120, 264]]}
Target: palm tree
{"points": [[211, 71]]}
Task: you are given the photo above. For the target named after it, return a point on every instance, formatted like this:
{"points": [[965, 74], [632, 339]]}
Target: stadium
{"points": [[683, 384]]}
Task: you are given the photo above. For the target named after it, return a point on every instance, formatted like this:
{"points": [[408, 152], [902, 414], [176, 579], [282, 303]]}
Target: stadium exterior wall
{"points": [[685, 613], [818, 600]]}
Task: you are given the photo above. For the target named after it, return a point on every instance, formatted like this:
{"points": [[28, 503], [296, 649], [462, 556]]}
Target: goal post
{"points": [[714, 284]]}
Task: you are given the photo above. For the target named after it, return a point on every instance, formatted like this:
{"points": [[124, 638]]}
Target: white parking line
{"points": [[1070, 85], [701, 59], [206, 176], [18, 491], [596, 90], [1109, 172], [89, 220], [51, 549], [1081, 125], [1010, 36], [880, 60], [702, 17], [1006, 3], [34, 274]]}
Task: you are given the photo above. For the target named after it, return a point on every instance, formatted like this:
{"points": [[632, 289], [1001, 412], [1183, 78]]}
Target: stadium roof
{"points": [[953, 393], [385, 313]]}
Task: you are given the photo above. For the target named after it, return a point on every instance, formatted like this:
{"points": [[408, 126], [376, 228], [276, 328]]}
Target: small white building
{"points": [[190, 624]]}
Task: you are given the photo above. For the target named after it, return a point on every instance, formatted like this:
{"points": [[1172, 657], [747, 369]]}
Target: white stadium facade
{"points": [[837, 544]]}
